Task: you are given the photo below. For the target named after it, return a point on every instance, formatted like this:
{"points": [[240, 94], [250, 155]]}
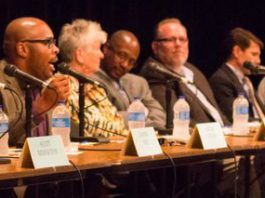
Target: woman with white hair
{"points": [[80, 45]]}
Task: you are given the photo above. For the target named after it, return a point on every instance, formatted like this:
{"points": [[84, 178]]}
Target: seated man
{"points": [[120, 55], [29, 45], [230, 79], [170, 49], [80, 44]]}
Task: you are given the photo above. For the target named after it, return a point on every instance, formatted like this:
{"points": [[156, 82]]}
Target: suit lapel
{"points": [[127, 89], [192, 98], [233, 78], [113, 94]]}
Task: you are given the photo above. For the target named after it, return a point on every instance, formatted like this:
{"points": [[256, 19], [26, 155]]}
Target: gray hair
{"points": [[79, 33]]}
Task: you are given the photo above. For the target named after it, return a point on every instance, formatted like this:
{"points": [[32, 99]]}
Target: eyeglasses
{"points": [[181, 40], [50, 42], [123, 56]]}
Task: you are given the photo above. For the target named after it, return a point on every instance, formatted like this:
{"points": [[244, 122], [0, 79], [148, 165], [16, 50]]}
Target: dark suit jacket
{"points": [[226, 88], [158, 84]]}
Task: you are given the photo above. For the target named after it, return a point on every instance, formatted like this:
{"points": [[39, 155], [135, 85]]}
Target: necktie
{"points": [[40, 121], [252, 98], [211, 109], [123, 94]]}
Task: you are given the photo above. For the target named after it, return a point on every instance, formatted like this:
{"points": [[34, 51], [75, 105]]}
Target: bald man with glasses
{"points": [[29, 45]]}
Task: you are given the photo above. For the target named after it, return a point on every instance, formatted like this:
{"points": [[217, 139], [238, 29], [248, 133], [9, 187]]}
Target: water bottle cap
{"points": [[61, 101], [181, 97], [242, 94], [137, 98]]}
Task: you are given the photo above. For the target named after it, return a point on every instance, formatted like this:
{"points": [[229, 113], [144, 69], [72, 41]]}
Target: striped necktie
{"points": [[252, 98]]}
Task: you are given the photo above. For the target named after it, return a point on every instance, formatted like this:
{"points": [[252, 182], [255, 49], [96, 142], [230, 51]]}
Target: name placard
{"points": [[43, 152], [142, 142], [207, 136]]}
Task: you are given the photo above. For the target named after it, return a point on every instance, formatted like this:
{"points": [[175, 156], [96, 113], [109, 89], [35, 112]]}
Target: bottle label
{"points": [[3, 127], [136, 116], [183, 115], [242, 110], [61, 122]]}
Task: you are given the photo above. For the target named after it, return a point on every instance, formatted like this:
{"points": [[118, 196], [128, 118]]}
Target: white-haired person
{"points": [[80, 44]]}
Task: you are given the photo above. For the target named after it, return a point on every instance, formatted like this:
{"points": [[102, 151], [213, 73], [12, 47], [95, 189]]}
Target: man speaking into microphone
{"points": [[243, 51], [30, 51]]}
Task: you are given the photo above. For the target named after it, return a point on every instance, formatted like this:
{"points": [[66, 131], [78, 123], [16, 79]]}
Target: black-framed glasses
{"points": [[181, 40], [123, 56], [50, 42]]}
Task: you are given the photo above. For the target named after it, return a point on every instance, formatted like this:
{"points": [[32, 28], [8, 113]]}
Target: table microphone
{"points": [[255, 69], [171, 74], [65, 69], [12, 70]]}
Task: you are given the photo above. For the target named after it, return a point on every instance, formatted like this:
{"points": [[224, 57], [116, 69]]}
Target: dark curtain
{"points": [[207, 21]]}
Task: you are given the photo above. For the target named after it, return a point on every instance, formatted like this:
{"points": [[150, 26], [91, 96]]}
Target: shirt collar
{"points": [[185, 72], [239, 74]]}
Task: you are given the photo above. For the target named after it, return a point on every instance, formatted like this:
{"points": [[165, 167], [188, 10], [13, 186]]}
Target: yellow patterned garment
{"points": [[100, 114]]}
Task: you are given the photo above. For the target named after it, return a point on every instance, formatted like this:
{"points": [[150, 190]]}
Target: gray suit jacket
{"points": [[134, 86], [14, 106]]}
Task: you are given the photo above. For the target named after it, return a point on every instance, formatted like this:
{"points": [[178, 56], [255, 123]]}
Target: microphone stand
{"points": [[28, 106], [81, 117], [168, 96], [81, 108]]}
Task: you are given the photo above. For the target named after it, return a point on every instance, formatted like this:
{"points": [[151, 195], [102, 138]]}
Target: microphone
{"points": [[12, 70], [160, 69], [255, 69], [65, 69]]}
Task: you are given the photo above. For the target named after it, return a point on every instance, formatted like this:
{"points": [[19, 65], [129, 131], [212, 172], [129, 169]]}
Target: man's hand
{"points": [[49, 97]]}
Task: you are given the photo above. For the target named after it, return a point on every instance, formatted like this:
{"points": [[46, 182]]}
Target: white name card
{"points": [[142, 142], [43, 152], [207, 136]]}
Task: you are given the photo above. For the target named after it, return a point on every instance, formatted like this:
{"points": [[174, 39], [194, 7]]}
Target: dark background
{"points": [[207, 21]]}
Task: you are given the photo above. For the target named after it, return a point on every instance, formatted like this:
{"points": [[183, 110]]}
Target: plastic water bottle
{"points": [[61, 123], [181, 120], [240, 115], [136, 114], [3, 132]]}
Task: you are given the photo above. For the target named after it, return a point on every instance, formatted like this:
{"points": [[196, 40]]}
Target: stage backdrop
{"points": [[207, 21]]}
